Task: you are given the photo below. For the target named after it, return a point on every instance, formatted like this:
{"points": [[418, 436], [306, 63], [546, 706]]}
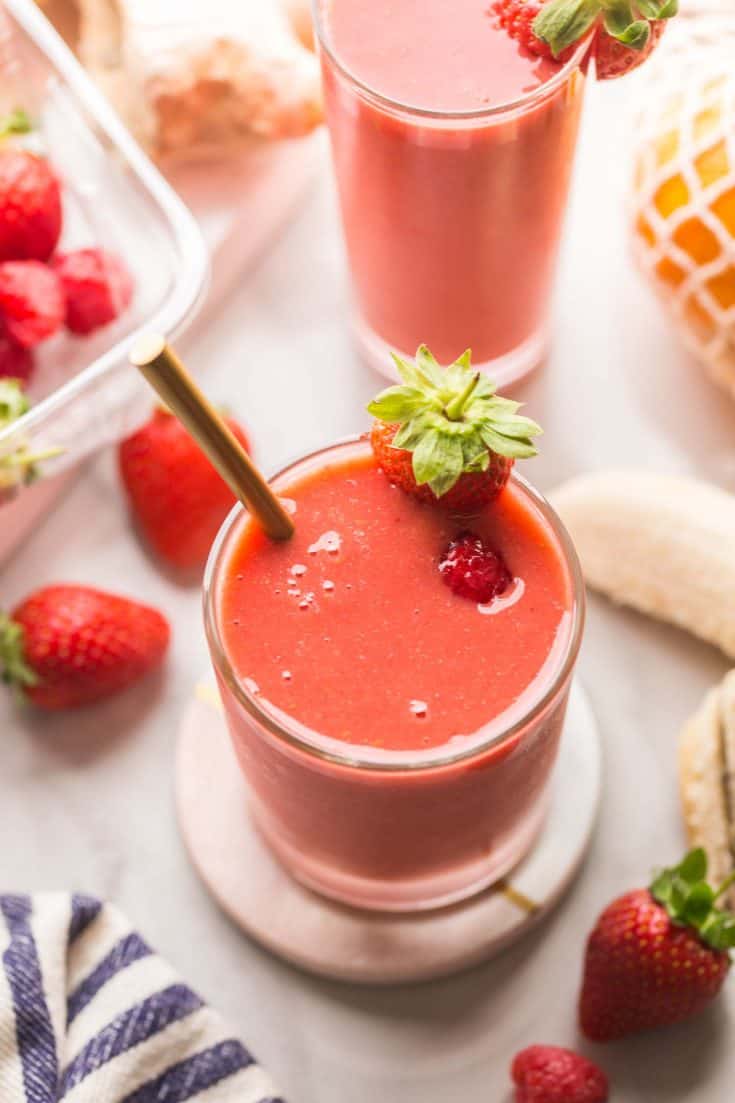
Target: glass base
{"points": [[504, 370], [425, 894]]}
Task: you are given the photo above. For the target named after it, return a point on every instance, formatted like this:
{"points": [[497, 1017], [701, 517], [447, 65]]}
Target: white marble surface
{"points": [[86, 800]]}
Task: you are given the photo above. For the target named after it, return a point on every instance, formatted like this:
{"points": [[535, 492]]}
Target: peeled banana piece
{"points": [[707, 780], [662, 544]]}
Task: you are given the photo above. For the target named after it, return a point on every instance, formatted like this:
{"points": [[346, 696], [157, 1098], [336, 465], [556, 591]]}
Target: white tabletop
{"points": [[86, 798]]}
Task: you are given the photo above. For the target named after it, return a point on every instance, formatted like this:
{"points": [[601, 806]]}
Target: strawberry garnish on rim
{"points": [[444, 436], [657, 956], [623, 34]]}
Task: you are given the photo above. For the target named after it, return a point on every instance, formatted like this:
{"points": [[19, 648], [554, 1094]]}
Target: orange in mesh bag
{"points": [[684, 192]]}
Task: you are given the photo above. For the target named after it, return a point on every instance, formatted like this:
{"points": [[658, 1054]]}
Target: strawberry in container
{"points": [[94, 245]]}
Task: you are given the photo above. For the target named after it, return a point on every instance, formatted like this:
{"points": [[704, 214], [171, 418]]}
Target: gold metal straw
{"points": [[160, 365]]}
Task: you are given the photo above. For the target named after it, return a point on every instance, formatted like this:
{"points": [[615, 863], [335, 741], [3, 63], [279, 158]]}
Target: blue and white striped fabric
{"points": [[89, 1014]]}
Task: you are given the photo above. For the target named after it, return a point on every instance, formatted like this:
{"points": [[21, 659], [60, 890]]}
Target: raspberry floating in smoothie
{"points": [[473, 570]]}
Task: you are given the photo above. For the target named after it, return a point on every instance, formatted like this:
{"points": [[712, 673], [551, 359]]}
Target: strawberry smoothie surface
{"points": [[350, 630], [453, 148], [397, 738]]}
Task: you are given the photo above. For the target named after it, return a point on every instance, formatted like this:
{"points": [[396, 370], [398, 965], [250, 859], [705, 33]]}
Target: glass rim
{"points": [[392, 761], [528, 99]]}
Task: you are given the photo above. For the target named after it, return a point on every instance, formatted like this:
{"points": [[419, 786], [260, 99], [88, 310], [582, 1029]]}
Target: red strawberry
{"points": [[15, 361], [656, 956], [72, 645], [549, 1074], [30, 206], [175, 494], [97, 285], [614, 59], [31, 301], [445, 437]]}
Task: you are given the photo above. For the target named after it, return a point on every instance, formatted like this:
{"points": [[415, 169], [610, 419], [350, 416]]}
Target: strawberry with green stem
{"points": [[622, 33], [657, 956], [444, 436], [68, 646]]}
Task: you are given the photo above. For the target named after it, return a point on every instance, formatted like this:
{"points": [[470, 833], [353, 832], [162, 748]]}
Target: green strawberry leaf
{"points": [[694, 866], [617, 15], [504, 445], [560, 23], [13, 402], [690, 901], [718, 931], [635, 35], [16, 122], [20, 465], [397, 404], [15, 669], [408, 372], [429, 367], [437, 460], [658, 9], [698, 904], [410, 435]]}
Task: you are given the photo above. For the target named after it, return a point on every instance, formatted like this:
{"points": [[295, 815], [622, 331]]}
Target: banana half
{"points": [[662, 544], [707, 780]]}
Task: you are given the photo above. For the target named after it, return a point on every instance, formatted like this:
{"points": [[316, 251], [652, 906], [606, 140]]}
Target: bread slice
{"points": [[195, 79], [659, 543], [707, 780]]}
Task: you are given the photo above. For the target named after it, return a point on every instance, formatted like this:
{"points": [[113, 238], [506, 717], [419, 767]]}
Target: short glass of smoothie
{"points": [[396, 738], [453, 148]]}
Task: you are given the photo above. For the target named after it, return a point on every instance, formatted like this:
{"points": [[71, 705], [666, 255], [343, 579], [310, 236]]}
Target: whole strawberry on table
{"points": [[176, 496], [622, 35], [66, 646], [657, 956]]}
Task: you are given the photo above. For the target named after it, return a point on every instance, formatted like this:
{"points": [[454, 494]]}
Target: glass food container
{"points": [[84, 394]]}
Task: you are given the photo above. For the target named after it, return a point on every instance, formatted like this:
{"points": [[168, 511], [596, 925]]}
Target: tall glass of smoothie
{"points": [[453, 148], [396, 725]]}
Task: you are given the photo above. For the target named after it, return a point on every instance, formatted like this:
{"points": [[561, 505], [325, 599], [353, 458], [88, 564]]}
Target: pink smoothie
{"points": [[397, 738], [452, 223]]}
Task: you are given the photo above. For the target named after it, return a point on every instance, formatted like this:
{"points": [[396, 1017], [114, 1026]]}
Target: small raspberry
{"points": [[473, 570], [549, 1074], [97, 285], [15, 361], [516, 17], [31, 301]]}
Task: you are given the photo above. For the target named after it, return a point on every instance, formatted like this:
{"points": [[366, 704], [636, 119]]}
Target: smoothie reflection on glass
{"points": [[453, 149], [395, 677]]}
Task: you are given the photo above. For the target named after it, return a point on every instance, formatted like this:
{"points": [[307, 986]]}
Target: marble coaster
{"points": [[346, 944]]}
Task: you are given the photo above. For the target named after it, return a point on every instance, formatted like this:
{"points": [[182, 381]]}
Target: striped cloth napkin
{"points": [[89, 1014]]}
